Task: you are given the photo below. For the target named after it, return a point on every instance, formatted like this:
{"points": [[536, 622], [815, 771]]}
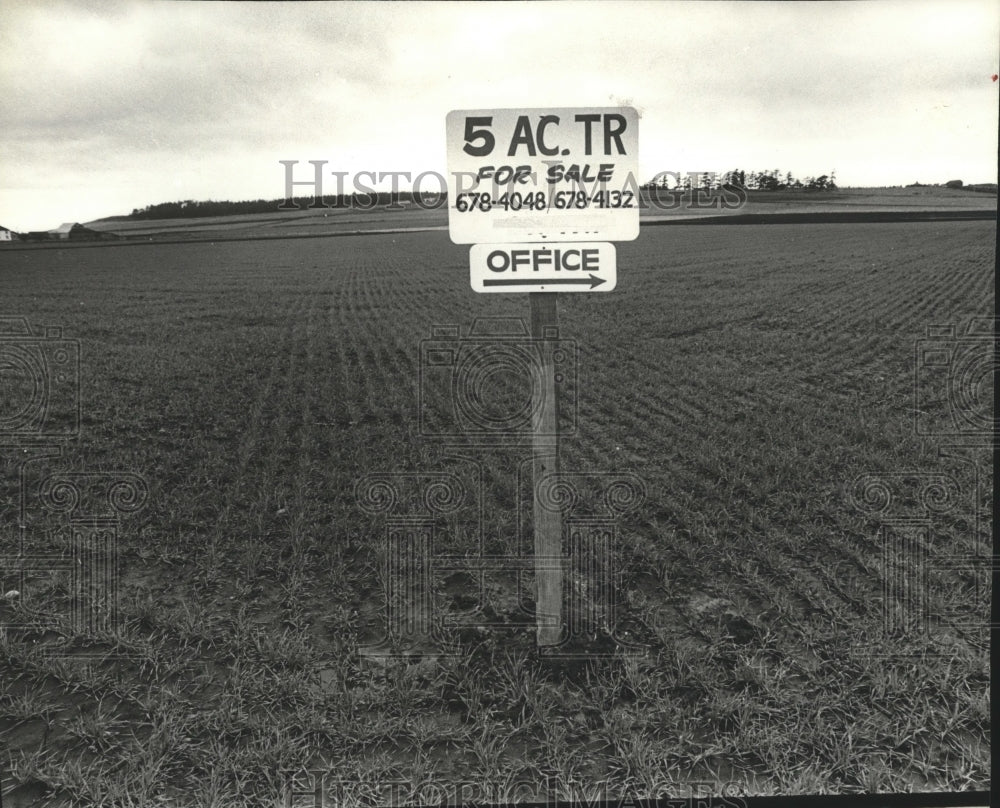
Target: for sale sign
{"points": [[531, 175]]}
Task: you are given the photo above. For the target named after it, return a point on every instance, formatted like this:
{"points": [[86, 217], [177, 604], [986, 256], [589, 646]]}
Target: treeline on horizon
{"points": [[673, 181], [193, 209], [773, 180]]}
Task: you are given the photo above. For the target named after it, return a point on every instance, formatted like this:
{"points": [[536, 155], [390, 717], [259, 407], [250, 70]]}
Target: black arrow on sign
{"points": [[593, 280]]}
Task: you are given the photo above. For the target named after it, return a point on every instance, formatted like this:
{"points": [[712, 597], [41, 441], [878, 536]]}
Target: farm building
{"points": [[69, 231], [7, 235]]}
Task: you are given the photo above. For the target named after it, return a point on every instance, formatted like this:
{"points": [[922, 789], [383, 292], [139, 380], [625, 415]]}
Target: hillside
{"points": [[332, 221]]}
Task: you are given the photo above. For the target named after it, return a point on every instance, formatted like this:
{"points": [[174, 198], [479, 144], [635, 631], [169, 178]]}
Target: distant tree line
{"points": [[977, 187], [773, 180], [191, 209]]}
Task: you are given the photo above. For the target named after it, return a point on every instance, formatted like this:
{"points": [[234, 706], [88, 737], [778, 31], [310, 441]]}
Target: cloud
{"points": [[176, 76], [141, 102]]}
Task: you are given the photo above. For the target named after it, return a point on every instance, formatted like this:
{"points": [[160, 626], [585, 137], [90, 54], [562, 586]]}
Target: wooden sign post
{"points": [[539, 194], [545, 460]]}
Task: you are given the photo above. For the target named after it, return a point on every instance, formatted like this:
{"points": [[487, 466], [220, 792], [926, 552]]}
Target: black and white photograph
{"points": [[485, 403]]}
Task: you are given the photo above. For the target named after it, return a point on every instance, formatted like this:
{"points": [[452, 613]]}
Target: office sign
{"points": [[550, 267]]}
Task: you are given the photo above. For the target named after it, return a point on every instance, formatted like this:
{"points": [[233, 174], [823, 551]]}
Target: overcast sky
{"points": [[105, 107]]}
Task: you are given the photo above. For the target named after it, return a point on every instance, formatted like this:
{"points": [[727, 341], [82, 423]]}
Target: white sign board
{"points": [[579, 266], [530, 175]]}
